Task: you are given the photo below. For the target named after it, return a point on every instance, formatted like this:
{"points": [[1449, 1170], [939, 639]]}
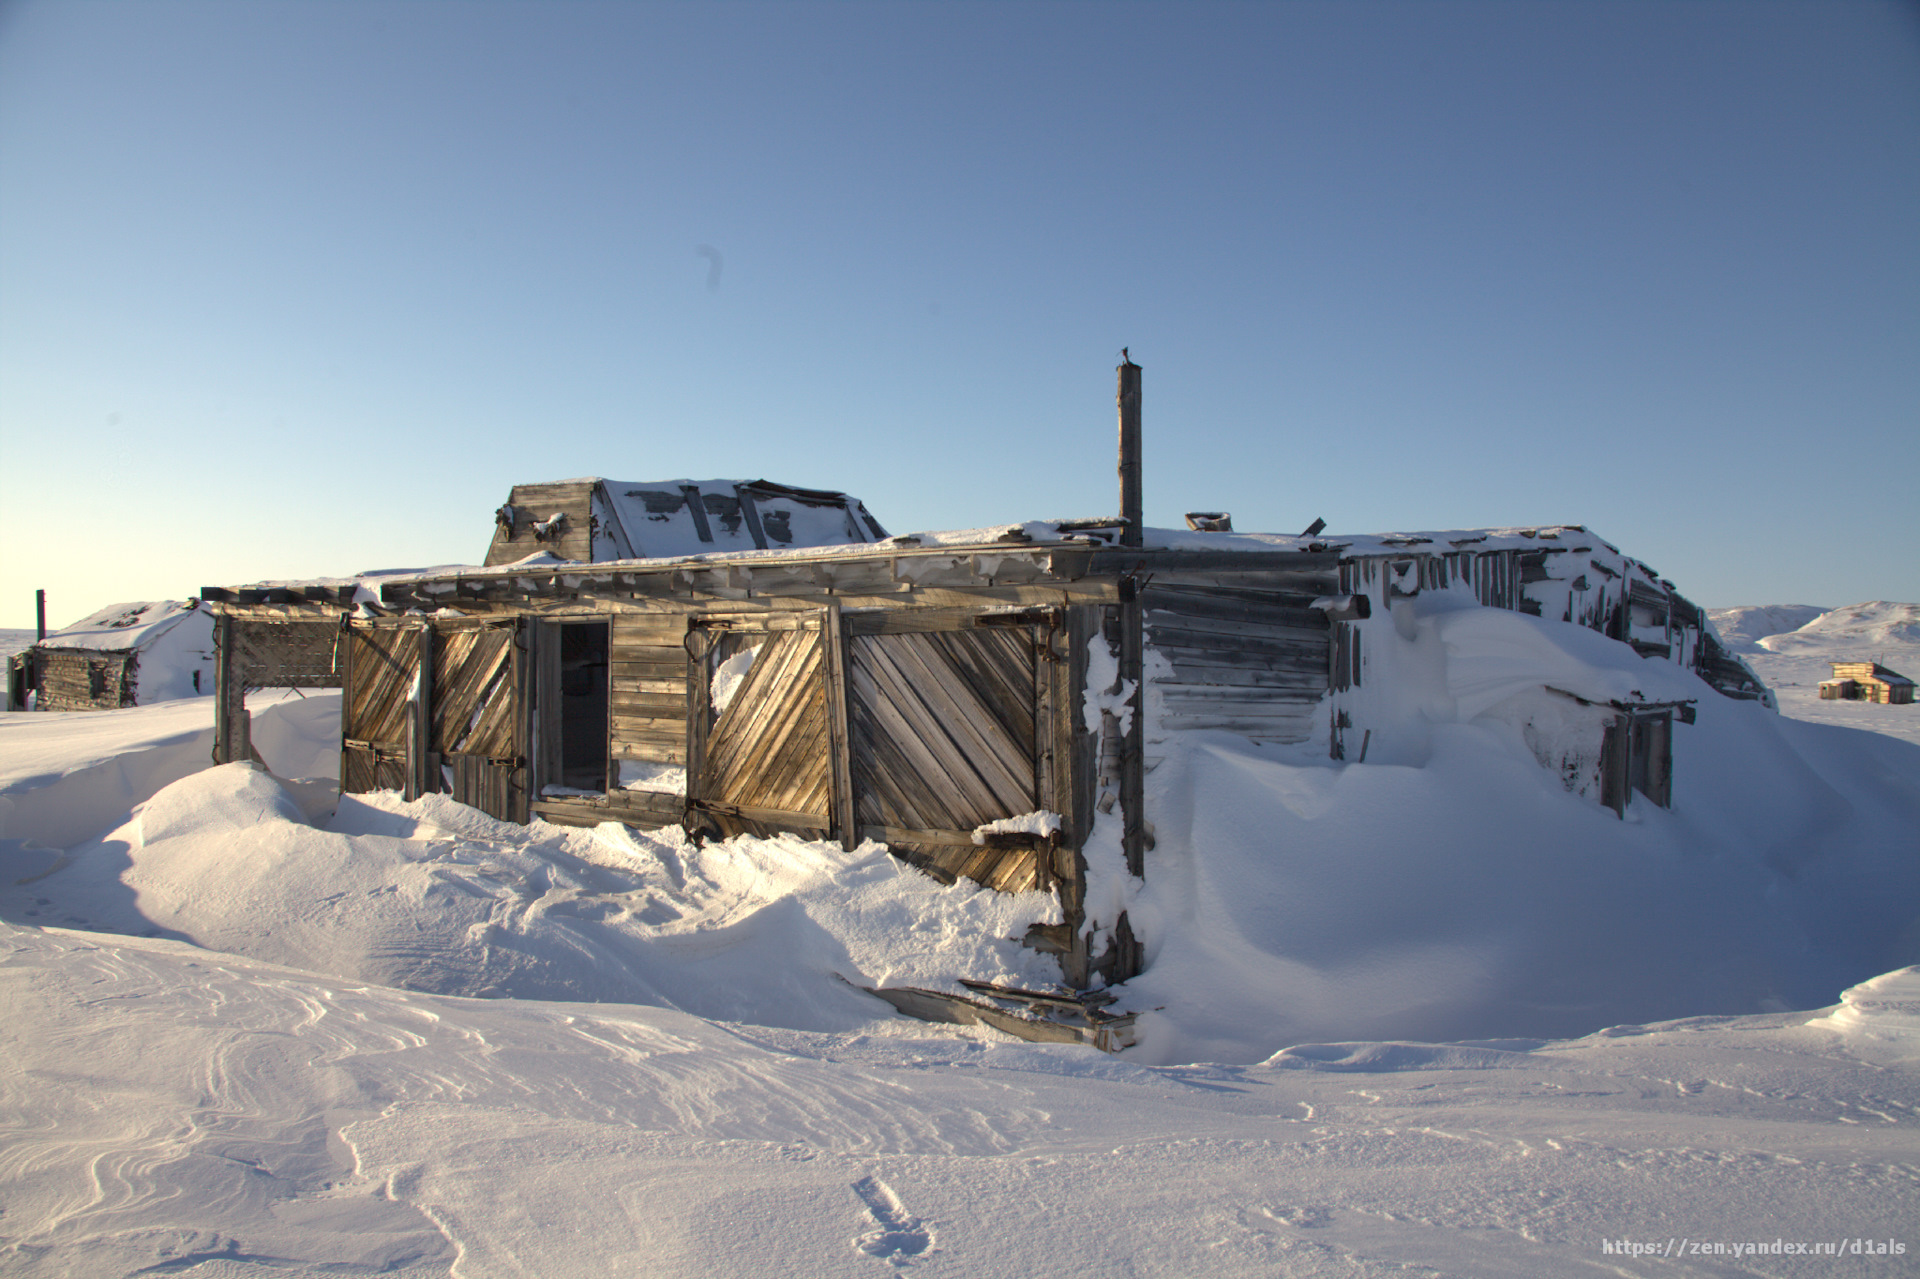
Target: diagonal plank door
{"points": [[477, 719], [942, 727], [382, 662], [768, 755]]}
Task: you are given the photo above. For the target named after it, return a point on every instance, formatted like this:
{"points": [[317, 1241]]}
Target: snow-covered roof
{"points": [[1033, 534], [599, 520], [123, 627], [697, 517]]}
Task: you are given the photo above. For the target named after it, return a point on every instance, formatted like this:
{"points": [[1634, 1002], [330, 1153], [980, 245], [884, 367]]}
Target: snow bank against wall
{"points": [[66, 776], [1453, 888], [435, 896]]}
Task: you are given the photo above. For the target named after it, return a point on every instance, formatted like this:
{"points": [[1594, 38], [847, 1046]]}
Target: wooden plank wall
{"points": [[382, 661], [81, 679], [1248, 660], [535, 502], [287, 653], [479, 724], [648, 689]]}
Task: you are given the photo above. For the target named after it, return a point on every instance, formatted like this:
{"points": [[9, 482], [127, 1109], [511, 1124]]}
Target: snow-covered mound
{"points": [[437, 897], [1294, 900], [1741, 629], [1881, 1017], [68, 775], [1853, 633]]}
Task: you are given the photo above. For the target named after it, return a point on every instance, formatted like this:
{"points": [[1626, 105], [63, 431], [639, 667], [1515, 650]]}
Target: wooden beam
{"points": [[839, 737], [420, 755]]}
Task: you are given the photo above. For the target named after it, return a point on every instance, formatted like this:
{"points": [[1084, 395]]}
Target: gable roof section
{"points": [[595, 520]]}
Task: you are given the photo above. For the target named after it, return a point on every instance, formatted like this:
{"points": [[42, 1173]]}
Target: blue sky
{"points": [[302, 289]]}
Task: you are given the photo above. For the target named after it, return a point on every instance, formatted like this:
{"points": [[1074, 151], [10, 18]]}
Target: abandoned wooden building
{"points": [[1867, 682], [983, 703], [915, 691], [122, 655]]}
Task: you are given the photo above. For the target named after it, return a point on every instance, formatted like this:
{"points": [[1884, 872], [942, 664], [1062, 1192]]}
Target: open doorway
{"points": [[577, 699]]}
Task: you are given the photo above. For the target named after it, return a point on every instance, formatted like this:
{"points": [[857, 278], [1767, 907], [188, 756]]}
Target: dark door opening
{"points": [[583, 706]]}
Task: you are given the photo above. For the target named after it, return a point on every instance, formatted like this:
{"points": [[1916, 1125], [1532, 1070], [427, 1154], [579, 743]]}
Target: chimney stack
{"points": [[1129, 398]]}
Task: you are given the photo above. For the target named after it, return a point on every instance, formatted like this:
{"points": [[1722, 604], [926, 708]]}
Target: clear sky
{"points": [[293, 289]]}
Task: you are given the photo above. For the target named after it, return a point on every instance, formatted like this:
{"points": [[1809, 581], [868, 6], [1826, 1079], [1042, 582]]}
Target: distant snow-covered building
{"points": [[124, 655]]}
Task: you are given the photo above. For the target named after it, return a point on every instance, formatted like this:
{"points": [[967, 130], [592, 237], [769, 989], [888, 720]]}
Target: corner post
{"points": [[232, 727]]}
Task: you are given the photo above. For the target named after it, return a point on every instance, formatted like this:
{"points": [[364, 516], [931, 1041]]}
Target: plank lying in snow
{"points": [[1055, 1020]]}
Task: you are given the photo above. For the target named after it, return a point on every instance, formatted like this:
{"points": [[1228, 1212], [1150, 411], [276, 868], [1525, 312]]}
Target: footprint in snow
{"points": [[900, 1236]]}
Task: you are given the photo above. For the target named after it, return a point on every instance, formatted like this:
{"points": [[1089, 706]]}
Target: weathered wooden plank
{"points": [[839, 747], [1226, 608], [656, 686], [657, 705], [1212, 671], [1004, 765]]}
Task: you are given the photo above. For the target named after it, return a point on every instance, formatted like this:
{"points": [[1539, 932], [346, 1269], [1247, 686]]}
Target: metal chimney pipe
{"points": [[1129, 399], [40, 613]]}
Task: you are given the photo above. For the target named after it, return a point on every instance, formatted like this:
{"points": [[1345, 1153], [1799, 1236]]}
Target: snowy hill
{"points": [[1742, 628], [1858, 628]]}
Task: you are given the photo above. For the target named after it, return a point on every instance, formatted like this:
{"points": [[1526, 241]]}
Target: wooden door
{"points": [[765, 759], [479, 715], [382, 661]]}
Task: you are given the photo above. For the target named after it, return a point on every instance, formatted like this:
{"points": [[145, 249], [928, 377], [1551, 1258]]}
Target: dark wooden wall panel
{"points": [[648, 690], [1250, 661]]}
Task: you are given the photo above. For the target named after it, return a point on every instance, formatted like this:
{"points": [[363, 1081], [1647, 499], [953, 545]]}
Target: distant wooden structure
{"points": [[122, 655], [977, 702], [1867, 682]]}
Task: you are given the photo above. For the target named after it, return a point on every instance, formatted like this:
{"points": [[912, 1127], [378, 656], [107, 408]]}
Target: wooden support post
{"points": [[833, 640], [421, 762], [232, 728], [1129, 398], [699, 712]]}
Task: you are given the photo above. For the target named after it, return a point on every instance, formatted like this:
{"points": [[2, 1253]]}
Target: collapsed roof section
{"points": [[596, 520]]}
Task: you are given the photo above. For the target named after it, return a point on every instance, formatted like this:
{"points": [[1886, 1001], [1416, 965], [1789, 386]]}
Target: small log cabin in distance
{"points": [[753, 658], [123, 655], [1867, 682]]}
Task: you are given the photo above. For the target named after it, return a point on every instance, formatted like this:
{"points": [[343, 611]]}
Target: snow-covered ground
{"points": [[254, 1028]]}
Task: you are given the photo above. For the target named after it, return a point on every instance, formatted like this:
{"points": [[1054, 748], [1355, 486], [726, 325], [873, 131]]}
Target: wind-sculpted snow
{"points": [[66, 776], [435, 896], [167, 1110]]}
